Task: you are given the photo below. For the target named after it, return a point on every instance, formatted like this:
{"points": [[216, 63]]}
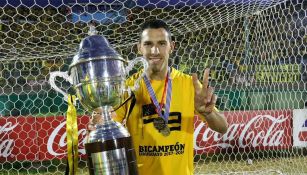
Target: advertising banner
{"points": [[18, 139], [52, 136], [300, 127], [44, 138], [248, 130]]}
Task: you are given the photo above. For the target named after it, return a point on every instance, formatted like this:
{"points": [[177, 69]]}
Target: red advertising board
{"points": [[18, 139], [248, 130], [52, 136], [43, 138]]}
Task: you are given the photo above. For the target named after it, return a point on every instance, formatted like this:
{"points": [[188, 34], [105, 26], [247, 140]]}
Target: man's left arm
{"points": [[204, 101]]}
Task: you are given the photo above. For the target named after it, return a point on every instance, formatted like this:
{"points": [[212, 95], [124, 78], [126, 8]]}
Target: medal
{"points": [[159, 123], [161, 126], [165, 131]]}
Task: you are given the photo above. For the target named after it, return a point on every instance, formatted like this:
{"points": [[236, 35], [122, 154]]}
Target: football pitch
{"points": [[268, 166]]}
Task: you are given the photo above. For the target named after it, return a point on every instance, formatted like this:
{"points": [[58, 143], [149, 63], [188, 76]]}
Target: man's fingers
{"points": [[91, 127], [213, 99], [209, 94], [196, 83], [95, 119], [206, 79]]}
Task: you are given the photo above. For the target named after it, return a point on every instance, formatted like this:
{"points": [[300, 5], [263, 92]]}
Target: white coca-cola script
{"points": [[60, 144], [252, 133], [6, 145]]}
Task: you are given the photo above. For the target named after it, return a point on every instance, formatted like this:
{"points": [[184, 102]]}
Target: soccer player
{"points": [[161, 120]]}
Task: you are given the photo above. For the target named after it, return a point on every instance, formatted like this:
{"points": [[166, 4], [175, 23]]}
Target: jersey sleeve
{"points": [[122, 112]]}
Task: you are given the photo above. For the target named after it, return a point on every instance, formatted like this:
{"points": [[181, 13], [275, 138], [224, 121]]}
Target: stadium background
{"points": [[256, 50]]}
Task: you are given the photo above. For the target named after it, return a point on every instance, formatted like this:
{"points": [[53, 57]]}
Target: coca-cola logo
{"points": [[6, 145], [253, 133], [61, 143]]}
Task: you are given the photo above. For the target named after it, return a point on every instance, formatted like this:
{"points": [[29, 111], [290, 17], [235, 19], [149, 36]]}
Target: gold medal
{"points": [[161, 126], [159, 123], [165, 131]]}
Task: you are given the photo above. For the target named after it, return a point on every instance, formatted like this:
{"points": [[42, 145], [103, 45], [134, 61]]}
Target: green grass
{"points": [[267, 166]]}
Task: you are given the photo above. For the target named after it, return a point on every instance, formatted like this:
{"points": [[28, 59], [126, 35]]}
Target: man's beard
{"points": [[156, 69]]}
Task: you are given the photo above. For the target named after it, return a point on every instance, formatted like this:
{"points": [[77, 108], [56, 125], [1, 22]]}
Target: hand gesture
{"points": [[204, 97]]}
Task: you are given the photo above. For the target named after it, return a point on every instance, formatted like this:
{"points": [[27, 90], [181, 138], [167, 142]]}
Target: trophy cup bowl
{"points": [[98, 73]]}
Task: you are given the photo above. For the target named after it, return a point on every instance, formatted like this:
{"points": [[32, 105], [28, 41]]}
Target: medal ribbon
{"points": [[163, 96], [72, 136], [168, 83]]}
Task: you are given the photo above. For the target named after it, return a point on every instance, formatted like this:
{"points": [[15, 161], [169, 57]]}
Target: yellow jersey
{"points": [[158, 154]]}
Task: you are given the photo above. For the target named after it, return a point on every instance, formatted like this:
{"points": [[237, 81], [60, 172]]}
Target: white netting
{"points": [[256, 50]]}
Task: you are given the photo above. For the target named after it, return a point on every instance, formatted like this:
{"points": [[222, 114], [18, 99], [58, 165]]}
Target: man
{"points": [[161, 121]]}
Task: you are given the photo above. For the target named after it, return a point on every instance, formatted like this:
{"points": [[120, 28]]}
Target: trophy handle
{"points": [[64, 75], [130, 67]]}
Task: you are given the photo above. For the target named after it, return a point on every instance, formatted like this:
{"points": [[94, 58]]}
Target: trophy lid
{"points": [[95, 47]]}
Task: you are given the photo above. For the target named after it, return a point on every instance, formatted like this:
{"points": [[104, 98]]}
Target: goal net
{"points": [[255, 49]]}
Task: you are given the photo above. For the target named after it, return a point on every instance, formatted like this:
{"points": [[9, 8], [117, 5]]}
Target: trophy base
{"points": [[112, 157]]}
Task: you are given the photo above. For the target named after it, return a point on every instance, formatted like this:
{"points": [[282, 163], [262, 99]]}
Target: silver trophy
{"points": [[98, 76]]}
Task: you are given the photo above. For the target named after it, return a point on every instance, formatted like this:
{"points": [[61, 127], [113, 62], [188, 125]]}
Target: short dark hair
{"points": [[155, 24]]}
